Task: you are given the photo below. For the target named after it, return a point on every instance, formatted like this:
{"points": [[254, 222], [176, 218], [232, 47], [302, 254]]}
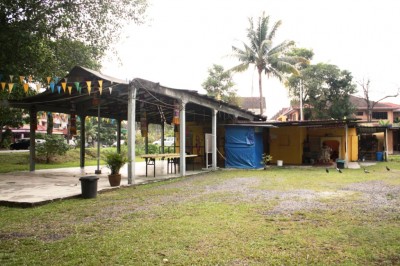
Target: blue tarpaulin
{"points": [[243, 147]]}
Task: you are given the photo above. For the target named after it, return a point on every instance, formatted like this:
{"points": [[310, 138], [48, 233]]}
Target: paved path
{"points": [[27, 189]]}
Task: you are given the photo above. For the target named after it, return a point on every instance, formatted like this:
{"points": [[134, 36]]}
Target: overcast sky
{"points": [[181, 39]]}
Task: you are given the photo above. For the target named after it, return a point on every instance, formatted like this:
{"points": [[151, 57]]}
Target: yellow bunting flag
{"points": [[26, 87], [101, 86], [89, 84], [70, 89], [11, 78], [10, 87], [64, 85], [48, 80], [21, 79], [3, 85]]}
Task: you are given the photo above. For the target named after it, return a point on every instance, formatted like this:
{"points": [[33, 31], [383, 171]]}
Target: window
{"points": [[360, 113], [379, 115]]}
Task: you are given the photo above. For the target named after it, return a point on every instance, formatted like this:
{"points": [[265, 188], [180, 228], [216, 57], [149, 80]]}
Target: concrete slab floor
{"points": [[28, 189]]}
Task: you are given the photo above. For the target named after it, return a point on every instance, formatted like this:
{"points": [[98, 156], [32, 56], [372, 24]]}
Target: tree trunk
{"points": [[49, 123], [261, 94]]}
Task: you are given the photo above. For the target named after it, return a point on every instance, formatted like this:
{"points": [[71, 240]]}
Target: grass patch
{"points": [[220, 218], [19, 161]]}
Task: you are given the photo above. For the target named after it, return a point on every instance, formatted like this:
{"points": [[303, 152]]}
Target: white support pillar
{"points": [[131, 133], [119, 135], [346, 154], [214, 139], [182, 138]]}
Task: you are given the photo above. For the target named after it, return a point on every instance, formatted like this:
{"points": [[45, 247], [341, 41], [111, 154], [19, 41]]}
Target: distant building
{"points": [[385, 124], [252, 104], [381, 111]]}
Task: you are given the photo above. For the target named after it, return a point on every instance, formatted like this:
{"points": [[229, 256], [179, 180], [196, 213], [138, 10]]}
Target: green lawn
{"points": [[275, 217], [19, 161]]}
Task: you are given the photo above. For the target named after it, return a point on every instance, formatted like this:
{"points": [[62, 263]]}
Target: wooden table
{"points": [[172, 160]]}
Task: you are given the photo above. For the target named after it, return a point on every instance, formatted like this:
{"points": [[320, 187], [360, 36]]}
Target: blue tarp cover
{"points": [[243, 148]]}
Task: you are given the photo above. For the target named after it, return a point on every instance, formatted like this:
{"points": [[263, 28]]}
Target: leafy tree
{"points": [[219, 84], [48, 38], [11, 117], [371, 104], [260, 52], [326, 91], [54, 145], [32, 24]]}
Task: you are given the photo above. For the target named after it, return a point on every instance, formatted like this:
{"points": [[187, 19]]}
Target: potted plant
{"points": [[266, 159], [115, 161]]}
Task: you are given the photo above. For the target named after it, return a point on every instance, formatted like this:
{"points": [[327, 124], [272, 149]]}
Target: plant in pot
{"points": [[265, 160], [115, 161]]}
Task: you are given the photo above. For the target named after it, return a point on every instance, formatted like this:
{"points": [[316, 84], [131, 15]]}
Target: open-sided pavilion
{"points": [[87, 92]]}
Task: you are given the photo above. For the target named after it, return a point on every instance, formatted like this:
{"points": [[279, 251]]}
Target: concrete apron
{"points": [[28, 189]]}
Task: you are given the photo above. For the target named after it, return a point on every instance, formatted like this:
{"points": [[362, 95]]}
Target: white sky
{"points": [[181, 39]]}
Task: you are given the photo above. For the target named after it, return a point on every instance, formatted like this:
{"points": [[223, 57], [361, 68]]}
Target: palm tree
{"points": [[272, 60]]}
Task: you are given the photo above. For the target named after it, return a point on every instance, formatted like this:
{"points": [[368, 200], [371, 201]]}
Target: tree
{"points": [[326, 91], [48, 38], [10, 117], [260, 52], [219, 83], [371, 104], [27, 25]]}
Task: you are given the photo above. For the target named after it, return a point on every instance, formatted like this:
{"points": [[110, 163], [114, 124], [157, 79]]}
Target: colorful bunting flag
{"points": [[1, 77], [3, 85], [89, 84], [64, 85], [52, 85], [101, 86], [70, 89], [26, 87], [77, 86], [59, 89], [11, 78], [21, 79], [48, 80], [10, 87], [37, 86], [56, 79]]}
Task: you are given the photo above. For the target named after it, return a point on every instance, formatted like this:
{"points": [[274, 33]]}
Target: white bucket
{"points": [[279, 162]]}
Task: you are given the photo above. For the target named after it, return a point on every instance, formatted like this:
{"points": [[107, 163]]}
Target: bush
{"points": [[54, 145], [152, 149]]}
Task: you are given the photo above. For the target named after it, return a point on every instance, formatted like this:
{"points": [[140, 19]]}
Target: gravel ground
{"points": [[363, 196]]}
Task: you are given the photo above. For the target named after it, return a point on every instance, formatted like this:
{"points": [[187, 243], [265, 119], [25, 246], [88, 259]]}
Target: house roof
{"points": [[305, 123], [283, 111], [360, 103], [156, 100], [251, 102]]}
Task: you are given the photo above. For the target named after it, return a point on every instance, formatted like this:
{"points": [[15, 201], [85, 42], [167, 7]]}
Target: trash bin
{"points": [[340, 164], [89, 186], [379, 156]]}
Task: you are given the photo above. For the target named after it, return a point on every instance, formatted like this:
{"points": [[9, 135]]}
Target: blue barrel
{"points": [[379, 156]]}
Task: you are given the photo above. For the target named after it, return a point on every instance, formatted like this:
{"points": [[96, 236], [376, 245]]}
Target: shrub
{"points": [[54, 145]]}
